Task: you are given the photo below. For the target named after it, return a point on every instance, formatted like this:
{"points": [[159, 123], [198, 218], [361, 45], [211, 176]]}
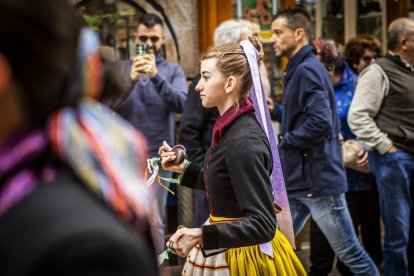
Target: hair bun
{"points": [[254, 39]]}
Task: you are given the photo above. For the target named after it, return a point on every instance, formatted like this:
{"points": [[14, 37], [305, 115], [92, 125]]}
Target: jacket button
{"points": [[305, 155]]}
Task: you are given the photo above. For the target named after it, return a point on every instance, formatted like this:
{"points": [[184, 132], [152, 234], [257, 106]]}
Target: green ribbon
{"points": [[165, 256]]}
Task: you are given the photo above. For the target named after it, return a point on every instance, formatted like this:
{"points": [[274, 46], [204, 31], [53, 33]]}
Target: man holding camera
{"points": [[159, 90]]}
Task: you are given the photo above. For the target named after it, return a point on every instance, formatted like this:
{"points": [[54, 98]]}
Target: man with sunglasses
{"points": [[382, 117], [159, 89]]}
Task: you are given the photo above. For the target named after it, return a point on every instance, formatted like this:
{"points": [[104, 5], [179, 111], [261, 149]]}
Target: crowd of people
{"points": [[77, 129]]}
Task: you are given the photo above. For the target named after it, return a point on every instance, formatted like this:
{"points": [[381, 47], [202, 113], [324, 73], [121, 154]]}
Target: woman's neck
{"points": [[226, 105]]}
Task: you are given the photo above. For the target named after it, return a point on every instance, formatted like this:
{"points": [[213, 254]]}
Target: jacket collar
{"points": [[397, 59], [297, 59], [225, 121]]}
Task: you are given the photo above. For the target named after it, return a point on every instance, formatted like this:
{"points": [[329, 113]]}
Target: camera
{"points": [[142, 49]]}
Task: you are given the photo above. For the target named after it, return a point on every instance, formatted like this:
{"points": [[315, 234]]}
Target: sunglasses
{"points": [[368, 59], [144, 38]]}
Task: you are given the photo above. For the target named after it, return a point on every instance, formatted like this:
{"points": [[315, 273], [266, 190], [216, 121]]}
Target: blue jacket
{"points": [[344, 92], [152, 103], [310, 151]]}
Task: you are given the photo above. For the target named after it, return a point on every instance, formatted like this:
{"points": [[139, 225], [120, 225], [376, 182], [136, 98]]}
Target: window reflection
{"points": [[333, 20], [369, 20]]}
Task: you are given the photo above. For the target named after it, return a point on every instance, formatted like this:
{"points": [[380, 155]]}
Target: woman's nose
{"points": [[199, 87]]}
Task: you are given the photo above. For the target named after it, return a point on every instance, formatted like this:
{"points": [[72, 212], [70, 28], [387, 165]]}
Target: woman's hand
{"points": [[167, 156], [184, 239]]}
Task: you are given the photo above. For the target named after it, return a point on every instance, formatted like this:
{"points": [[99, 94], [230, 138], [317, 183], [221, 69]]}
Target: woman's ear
{"points": [[230, 84], [5, 74]]}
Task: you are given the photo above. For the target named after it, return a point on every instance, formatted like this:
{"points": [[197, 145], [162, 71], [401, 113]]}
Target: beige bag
{"points": [[350, 149]]}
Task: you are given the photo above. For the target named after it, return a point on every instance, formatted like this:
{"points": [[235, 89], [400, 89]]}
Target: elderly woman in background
{"points": [[362, 51]]}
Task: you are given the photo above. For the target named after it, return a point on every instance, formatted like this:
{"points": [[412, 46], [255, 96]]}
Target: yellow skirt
{"points": [[247, 260]]}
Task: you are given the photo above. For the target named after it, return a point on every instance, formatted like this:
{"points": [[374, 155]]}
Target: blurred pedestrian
{"points": [[73, 200]]}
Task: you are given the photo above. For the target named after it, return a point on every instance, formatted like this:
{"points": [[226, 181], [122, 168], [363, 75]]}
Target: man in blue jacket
{"points": [[310, 150], [159, 90]]}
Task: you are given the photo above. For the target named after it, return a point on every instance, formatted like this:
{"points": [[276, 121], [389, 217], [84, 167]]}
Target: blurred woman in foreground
{"points": [[72, 195]]}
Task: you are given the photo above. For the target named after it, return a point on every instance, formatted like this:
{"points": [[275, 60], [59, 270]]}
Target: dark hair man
{"points": [[310, 150]]}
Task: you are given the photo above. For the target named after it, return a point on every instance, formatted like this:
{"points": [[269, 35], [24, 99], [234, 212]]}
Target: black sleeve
{"points": [[193, 177], [249, 170]]}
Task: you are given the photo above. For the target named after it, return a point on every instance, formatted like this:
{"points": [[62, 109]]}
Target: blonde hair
{"points": [[232, 61]]}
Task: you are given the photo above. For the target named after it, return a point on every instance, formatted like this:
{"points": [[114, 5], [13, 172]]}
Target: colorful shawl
{"points": [[105, 151], [20, 170]]}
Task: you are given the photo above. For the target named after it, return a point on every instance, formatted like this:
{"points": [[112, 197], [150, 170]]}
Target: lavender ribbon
{"points": [[15, 154], [263, 116]]}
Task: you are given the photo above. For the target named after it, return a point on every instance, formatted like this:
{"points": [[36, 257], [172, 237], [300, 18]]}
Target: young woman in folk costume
{"points": [[236, 175]]}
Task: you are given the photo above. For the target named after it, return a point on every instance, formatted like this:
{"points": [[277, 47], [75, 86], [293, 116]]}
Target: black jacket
{"points": [[63, 229], [237, 179]]}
